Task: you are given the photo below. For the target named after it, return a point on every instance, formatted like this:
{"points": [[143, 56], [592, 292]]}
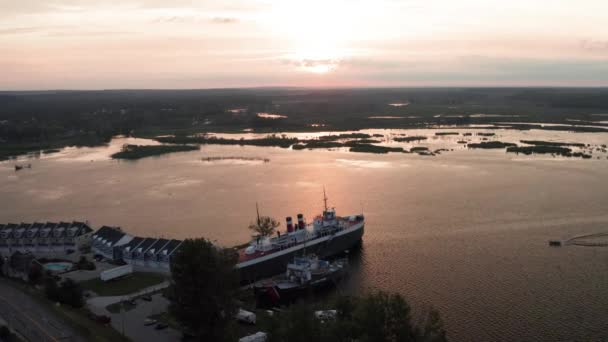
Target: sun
{"points": [[317, 32]]}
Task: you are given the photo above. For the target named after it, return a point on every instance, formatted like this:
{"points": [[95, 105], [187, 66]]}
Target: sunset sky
{"points": [[69, 44]]}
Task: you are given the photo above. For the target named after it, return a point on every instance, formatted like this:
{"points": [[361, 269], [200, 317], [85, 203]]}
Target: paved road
{"points": [[31, 319]]}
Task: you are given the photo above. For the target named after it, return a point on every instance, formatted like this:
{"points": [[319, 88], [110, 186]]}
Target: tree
{"points": [[68, 292], [264, 226], [71, 293], [84, 264], [203, 288], [34, 273], [433, 328], [376, 317], [384, 317], [5, 333]]}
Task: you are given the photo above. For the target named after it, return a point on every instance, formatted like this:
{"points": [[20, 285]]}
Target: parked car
{"points": [[325, 315], [149, 321], [102, 319], [161, 326]]}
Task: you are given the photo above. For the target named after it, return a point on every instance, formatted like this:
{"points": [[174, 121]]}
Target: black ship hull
{"points": [[276, 263], [272, 295]]}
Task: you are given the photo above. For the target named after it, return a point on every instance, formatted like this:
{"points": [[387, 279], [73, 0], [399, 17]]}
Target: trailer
{"points": [[245, 316], [116, 272], [257, 337]]}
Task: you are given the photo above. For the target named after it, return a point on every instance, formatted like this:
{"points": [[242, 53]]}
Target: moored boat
{"points": [[328, 235], [308, 273]]}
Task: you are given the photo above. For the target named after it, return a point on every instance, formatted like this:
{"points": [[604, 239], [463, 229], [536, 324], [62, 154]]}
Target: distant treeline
{"points": [[31, 121]]}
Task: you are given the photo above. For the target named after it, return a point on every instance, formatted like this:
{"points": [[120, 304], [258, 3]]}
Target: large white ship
{"points": [[326, 236]]}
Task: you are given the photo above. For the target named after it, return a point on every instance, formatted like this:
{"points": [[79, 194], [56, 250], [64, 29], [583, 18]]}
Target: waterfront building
{"points": [[107, 239], [43, 237]]}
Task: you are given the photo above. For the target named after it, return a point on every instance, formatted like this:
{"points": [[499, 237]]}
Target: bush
{"points": [[378, 316], [84, 264], [5, 333], [34, 273], [68, 292]]}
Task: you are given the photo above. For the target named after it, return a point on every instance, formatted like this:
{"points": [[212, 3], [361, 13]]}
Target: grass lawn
{"points": [[116, 307], [123, 286]]}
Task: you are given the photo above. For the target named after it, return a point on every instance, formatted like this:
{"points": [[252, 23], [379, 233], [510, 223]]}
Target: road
{"points": [[31, 319]]}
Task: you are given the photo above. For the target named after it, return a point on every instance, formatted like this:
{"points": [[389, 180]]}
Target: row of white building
{"points": [[110, 242], [43, 237], [152, 253]]}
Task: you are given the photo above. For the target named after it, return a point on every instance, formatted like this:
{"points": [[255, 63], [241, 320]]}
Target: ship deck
{"points": [[246, 257]]}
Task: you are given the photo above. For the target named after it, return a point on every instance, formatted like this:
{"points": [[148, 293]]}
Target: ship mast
{"points": [[258, 212], [324, 198]]}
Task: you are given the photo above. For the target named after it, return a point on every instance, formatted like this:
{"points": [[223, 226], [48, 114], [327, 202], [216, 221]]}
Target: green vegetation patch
{"points": [[345, 136], [133, 152], [491, 144], [550, 143], [409, 139], [540, 149], [368, 148], [123, 286], [270, 140], [311, 144], [418, 149]]}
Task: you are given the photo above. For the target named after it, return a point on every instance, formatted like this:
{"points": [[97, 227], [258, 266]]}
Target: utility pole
{"points": [[122, 311]]}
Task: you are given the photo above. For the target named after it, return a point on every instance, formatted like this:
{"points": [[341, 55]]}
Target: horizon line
{"points": [[313, 87]]}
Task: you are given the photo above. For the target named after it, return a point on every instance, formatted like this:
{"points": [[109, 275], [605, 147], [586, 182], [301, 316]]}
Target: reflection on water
{"points": [[465, 232]]}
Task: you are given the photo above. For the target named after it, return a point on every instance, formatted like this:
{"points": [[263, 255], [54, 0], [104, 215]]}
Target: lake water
{"points": [[464, 231]]}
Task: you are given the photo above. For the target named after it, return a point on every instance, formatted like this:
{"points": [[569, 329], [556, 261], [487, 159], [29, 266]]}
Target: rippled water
{"points": [[465, 231]]}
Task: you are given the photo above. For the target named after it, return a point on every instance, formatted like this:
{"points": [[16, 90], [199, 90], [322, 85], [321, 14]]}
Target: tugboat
{"points": [[304, 274], [328, 235]]}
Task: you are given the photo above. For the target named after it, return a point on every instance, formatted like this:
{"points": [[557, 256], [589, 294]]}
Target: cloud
{"points": [[195, 19], [19, 30], [224, 20], [28, 30], [594, 45]]}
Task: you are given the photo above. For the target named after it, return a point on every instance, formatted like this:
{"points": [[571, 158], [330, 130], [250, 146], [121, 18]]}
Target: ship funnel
{"points": [[289, 224], [300, 221]]}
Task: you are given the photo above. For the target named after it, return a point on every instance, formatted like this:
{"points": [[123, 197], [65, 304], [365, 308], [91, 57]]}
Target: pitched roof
{"points": [[37, 225], [147, 243], [133, 243], [85, 229], [63, 225], [110, 234], [171, 246], [158, 245], [24, 225], [50, 225]]}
